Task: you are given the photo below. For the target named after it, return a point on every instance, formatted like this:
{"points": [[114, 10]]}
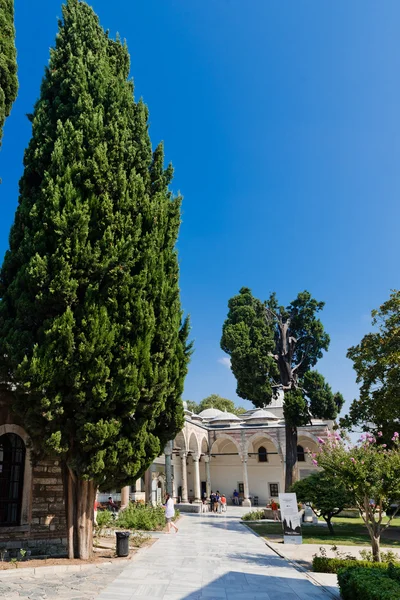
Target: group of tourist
{"points": [[217, 502]]}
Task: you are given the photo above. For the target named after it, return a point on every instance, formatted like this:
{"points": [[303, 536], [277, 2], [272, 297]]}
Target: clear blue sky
{"points": [[282, 121]]}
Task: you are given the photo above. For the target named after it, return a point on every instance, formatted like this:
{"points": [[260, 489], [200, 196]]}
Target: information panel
{"points": [[290, 519]]}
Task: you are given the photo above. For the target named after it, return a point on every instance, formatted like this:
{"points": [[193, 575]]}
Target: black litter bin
{"points": [[122, 542]]}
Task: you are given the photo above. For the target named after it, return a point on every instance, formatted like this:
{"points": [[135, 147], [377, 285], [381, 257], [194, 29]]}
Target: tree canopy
{"points": [[8, 61], [370, 472], [326, 494], [275, 348], [215, 401], [91, 332], [376, 362]]}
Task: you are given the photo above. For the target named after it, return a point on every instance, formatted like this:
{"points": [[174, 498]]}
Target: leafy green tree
{"points": [[376, 362], [192, 406], [274, 348], [91, 338], [216, 401], [326, 494], [8, 61], [370, 472]]}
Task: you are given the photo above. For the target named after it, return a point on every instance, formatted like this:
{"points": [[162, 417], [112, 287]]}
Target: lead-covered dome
{"points": [[210, 413], [225, 418], [260, 416]]}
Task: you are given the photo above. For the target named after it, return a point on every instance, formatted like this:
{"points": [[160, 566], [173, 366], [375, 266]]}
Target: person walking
{"points": [[170, 513]]}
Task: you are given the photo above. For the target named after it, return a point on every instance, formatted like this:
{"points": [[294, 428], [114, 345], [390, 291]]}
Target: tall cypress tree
{"points": [[8, 61], [90, 317]]}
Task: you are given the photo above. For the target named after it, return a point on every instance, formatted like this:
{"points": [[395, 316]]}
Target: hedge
{"points": [[368, 584], [322, 564]]}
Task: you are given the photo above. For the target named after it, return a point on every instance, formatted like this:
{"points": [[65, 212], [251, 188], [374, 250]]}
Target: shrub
{"points": [[368, 584], [254, 515], [386, 557], [104, 519], [140, 516], [322, 564]]}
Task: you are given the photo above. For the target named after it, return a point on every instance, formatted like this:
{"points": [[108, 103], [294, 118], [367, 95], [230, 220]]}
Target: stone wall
{"points": [[43, 527], [45, 532]]}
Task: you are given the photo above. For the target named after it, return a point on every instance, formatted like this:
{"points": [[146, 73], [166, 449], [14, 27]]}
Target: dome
{"points": [[195, 417], [225, 417], [210, 413], [260, 415]]}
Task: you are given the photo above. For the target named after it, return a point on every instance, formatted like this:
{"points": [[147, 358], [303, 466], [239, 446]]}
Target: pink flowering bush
{"points": [[370, 472]]}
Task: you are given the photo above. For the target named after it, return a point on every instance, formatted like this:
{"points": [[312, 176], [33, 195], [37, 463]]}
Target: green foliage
{"points": [[368, 471], [323, 564], [142, 516], [90, 314], [253, 337], [254, 515], [367, 584], [8, 61], [376, 362], [325, 493], [386, 557], [216, 401], [104, 519], [248, 339]]}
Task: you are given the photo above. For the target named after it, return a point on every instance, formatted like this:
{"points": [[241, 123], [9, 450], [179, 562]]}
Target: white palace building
{"points": [[220, 451]]}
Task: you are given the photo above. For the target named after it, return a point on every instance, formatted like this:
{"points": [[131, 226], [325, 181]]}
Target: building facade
{"points": [[220, 451]]}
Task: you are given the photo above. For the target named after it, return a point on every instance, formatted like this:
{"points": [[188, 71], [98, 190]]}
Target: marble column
{"points": [[197, 487], [168, 468], [125, 496], [246, 501], [207, 460], [184, 477]]}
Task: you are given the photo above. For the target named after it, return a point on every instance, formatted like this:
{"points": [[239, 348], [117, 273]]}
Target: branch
{"points": [[302, 360], [270, 313]]}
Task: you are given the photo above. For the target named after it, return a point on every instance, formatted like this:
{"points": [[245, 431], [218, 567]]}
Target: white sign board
{"points": [[290, 519]]}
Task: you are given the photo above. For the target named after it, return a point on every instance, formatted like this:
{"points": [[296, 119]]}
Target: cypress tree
{"points": [[90, 316], [8, 61]]}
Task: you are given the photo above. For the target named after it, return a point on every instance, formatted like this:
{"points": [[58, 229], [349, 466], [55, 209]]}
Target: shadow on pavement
{"points": [[247, 586]]}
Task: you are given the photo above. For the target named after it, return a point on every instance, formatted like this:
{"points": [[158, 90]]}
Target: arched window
{"points": [[262, 454], [301, 457], [12, 462]]}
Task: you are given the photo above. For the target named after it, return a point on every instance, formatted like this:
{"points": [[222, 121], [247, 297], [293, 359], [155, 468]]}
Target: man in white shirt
{"points": [[170, 513]]}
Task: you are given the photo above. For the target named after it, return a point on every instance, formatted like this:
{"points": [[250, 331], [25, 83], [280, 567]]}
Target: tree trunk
{"points": [[79, 508], [291, 456], [329, 523], [376, 548]]}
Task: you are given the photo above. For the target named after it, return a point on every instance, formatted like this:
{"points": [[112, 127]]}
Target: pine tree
{"points": [[90, 316], [8, 61]]}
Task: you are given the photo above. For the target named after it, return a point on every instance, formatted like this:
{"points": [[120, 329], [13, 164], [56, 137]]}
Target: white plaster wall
{"points": [[260, 476], [226, 473]]}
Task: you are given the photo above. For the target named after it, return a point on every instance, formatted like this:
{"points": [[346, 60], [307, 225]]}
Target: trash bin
{"points": [[122, 542]]}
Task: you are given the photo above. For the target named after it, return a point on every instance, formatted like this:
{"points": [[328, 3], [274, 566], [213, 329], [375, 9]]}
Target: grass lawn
{"points": [[350, 532]]}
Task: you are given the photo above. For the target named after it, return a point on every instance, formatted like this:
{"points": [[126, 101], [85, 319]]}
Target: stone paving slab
{"points": [[215, 558], [74, 582]]}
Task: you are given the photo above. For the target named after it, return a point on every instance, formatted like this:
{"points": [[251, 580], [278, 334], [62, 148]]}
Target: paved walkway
{"points": [[50, 583], [213, 557]]}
